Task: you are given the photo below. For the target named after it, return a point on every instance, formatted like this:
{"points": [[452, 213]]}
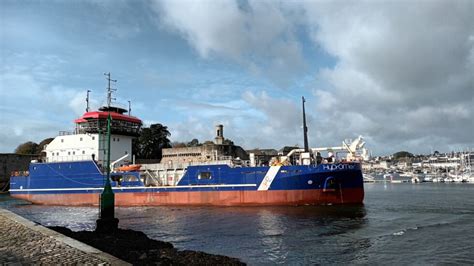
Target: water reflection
{"points": [[289, 235], [271, 228]]}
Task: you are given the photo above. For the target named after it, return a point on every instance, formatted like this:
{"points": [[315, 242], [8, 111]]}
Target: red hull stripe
{"points": [[216, 198]]}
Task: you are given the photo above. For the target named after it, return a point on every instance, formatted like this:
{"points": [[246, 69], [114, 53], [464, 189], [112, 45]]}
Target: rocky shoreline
{"points": [[137, 248]]}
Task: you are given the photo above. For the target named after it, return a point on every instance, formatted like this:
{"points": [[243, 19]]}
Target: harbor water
{"points": [[428, 223]]}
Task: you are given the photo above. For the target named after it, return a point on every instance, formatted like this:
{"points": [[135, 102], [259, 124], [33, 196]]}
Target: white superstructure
{"points": [[80, 147]]}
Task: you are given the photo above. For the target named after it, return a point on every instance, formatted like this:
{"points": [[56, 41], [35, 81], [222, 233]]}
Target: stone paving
{"points": [[24, 242]]}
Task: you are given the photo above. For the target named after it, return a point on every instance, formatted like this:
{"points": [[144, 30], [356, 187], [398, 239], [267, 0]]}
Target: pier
{"points": [[25, 242]]}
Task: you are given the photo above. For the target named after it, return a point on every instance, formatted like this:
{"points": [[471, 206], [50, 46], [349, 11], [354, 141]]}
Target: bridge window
{"points": [[204, 175]]}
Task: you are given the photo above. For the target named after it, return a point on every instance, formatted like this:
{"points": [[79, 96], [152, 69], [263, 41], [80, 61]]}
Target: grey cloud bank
{"points": [[404, 76], [400, 73]]}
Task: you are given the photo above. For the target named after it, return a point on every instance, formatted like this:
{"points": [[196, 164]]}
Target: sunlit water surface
{"points": [[398, 224]]}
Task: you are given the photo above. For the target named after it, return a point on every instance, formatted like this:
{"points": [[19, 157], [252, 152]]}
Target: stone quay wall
{"points": [[23, 242]]}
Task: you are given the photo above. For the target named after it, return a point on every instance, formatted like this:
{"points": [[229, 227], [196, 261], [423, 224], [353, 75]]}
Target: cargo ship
{"points": [[73, 171]]}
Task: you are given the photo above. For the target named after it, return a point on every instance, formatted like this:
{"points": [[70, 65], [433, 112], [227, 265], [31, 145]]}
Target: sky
{"points": [[399, 73]]}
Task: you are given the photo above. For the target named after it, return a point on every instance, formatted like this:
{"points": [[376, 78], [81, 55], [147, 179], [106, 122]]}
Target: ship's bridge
{"points": [[96, 122]]}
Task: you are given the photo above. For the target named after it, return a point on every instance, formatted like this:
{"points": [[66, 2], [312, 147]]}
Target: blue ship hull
{"points": [[80, 183]]}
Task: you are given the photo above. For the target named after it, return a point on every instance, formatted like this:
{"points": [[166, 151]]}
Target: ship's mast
{"points": [[129, 108], [305, 128], [109, 89], [87, 101], [107, 221]]}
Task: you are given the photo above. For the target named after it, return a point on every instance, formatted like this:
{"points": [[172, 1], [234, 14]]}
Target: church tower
{"points": [[219, 134]]}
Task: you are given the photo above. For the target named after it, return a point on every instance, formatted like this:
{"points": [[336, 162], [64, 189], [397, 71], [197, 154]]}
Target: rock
{"points": [[135, 247]]}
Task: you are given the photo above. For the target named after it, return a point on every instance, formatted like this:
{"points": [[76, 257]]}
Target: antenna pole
{"points": [[87, 101], [109, 89], [107, 221], [305, 128], [129, 109]]}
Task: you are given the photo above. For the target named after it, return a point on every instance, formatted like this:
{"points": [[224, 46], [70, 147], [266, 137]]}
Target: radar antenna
{"points": [[109, 89]]}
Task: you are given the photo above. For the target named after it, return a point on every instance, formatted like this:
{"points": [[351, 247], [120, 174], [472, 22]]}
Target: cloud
{"points": [[254, 120], [404, 72], [401, 73], [278, 124], [402, 77], [33, 109], [259, 35]]}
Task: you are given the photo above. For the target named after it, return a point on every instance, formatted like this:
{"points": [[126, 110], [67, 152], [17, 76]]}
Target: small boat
{"points": [[368, 178], [428, 178], [448, 180], [396, 181], [129, 168], [387, 176], [406, 174]]}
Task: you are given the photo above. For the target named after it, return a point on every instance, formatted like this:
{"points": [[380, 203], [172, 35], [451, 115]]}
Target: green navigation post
{"points": [[107, 221]]}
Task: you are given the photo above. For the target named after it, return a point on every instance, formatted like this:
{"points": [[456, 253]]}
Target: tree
{"points": [[228, 142], [44, 143], [151, 141], [176, 144], [28, 147], [193, 143], [402, 154]]}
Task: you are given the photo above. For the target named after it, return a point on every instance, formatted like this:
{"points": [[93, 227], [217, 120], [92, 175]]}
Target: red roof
{"points": [[104, 115]]}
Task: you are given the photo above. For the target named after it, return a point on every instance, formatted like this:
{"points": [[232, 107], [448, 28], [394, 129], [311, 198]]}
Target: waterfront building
{"points": [[209, 151]]}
